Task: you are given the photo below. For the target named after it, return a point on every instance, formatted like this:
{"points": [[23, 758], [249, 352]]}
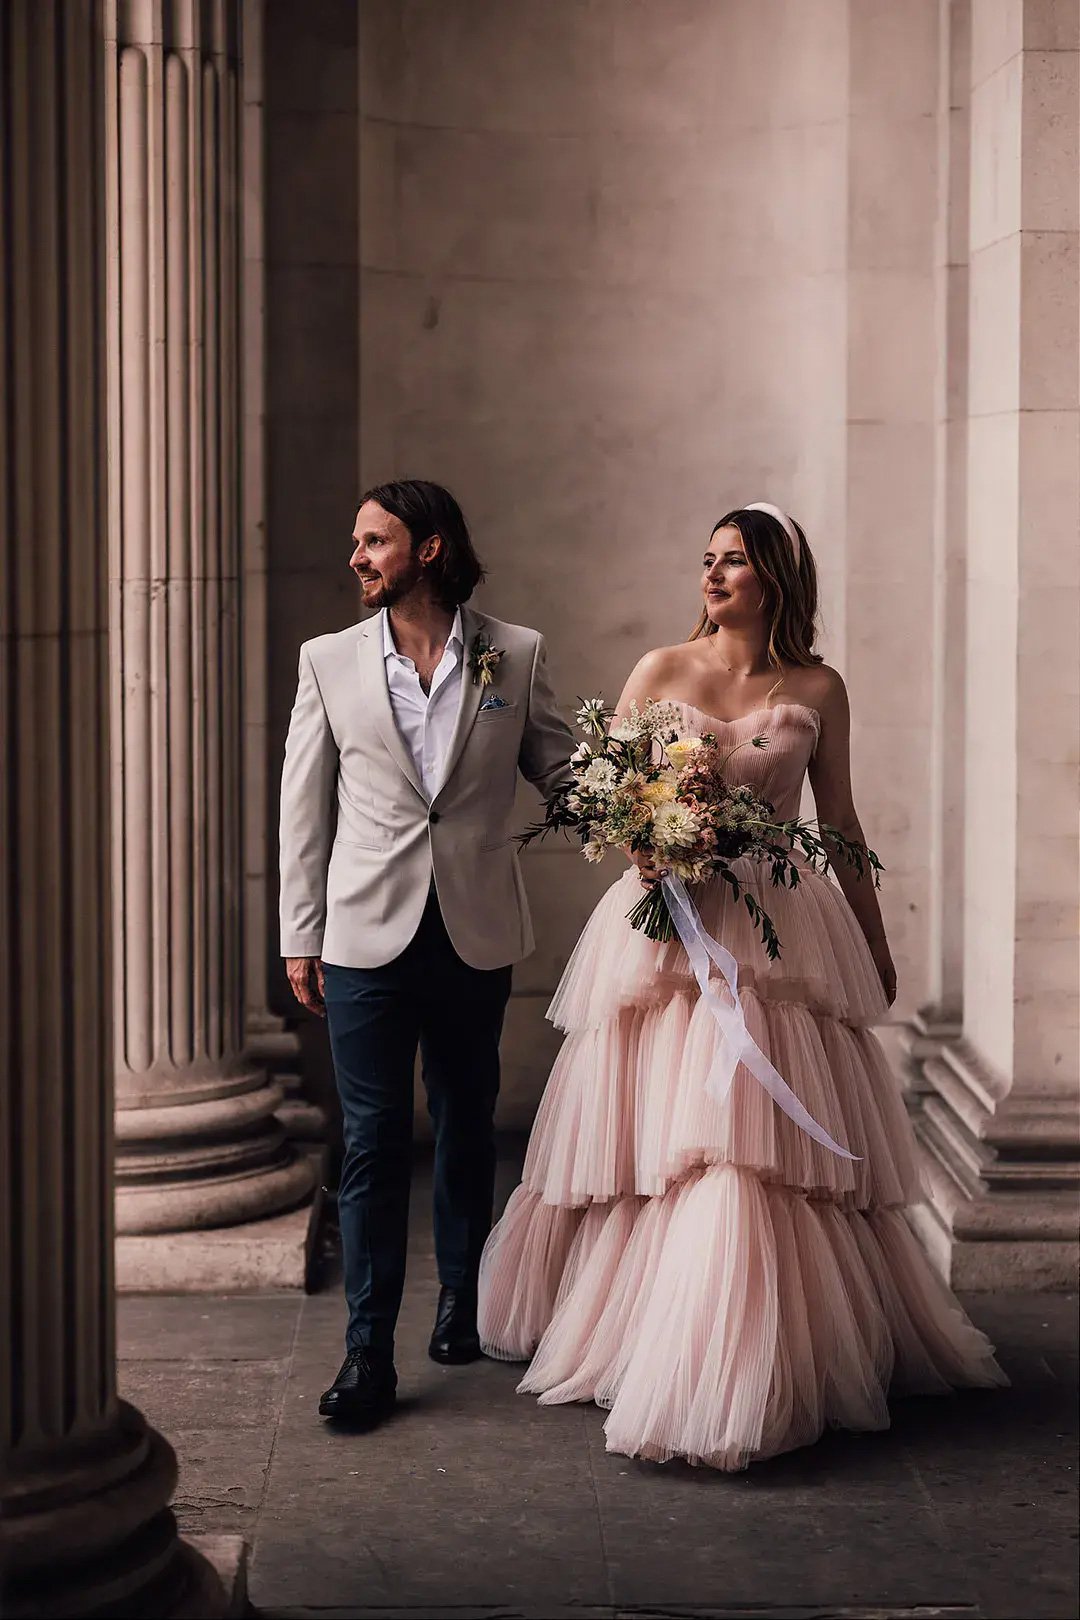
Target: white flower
{"points": [[675, 827], [599, 776], [628, 730], [592, 716], [660, 717], [593, 851], [581, 754]]}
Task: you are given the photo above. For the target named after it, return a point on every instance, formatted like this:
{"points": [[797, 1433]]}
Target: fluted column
{"points": [[269, 1041], [85, 1525], [198, 1144], [937, 1018]]}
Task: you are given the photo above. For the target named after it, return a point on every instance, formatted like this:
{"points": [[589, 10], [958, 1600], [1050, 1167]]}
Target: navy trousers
{"points": [[426, 997]]}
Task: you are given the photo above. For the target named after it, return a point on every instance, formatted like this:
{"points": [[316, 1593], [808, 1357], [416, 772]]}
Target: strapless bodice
{"points": [[776, 771]]}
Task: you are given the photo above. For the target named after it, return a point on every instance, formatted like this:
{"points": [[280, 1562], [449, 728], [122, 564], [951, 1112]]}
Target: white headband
{"points": [[784, 521]]}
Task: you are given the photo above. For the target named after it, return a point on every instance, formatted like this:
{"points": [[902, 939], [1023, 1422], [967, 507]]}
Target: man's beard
{"points": [[388, 593]]}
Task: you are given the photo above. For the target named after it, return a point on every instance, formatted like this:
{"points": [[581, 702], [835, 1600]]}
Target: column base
{"points": [[1002, 1174], [275, 1253], [87, 1531], [220, 1159], [270, 1044], [228, 1558]]}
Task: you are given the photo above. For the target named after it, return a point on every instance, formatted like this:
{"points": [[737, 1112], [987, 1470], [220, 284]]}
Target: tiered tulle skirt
{"points": [[725, 1285]]}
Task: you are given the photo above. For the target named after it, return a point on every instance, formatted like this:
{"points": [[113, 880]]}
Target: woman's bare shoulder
{"points": [[660, 673], [659, 669], [659, 659], [819, 686]]}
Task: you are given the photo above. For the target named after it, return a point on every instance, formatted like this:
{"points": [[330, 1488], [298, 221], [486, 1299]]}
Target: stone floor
{"points": [[474, 1501]]}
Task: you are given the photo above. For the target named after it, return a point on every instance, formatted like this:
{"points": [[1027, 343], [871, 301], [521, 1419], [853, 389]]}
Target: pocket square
{"points": [[493, 702]]}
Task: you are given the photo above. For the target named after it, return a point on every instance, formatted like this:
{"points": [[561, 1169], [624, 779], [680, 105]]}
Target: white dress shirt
{"points": [[425, 719]]}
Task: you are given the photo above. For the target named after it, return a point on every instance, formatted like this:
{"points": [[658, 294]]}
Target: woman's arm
{"points": [[830, 778]]}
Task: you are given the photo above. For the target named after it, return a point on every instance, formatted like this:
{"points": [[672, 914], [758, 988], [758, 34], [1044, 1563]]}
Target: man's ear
{"points": [[430, 548]]}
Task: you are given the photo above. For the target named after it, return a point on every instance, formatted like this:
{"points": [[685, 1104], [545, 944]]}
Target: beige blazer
{"points": [[359, 840]]}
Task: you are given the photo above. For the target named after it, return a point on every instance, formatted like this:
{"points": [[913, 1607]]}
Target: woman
{"points": [[724, 1283]]}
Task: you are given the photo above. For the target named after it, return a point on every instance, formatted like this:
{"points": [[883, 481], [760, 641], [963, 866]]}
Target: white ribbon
{"points": [[740, 1044]]}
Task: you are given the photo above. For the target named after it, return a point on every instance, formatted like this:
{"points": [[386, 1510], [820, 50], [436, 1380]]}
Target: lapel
{"points": [[376, 695], [469, 702]]}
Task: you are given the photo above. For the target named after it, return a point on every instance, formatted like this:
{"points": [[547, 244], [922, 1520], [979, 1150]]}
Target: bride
{"points": [[723, 1282]]}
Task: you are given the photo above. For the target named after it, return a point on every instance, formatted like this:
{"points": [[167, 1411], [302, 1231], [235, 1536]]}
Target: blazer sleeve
{"points": [[547, 741], [308, 814]]}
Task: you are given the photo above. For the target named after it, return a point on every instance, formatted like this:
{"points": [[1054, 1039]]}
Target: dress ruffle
{"points": [[725, 1320], [824, 963], [626, 1110]]}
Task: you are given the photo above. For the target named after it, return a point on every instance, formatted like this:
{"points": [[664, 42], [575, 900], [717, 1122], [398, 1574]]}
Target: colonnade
{"points": [[85, 1526], [998, 1044]]}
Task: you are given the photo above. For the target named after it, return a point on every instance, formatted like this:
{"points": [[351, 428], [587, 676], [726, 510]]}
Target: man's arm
{"points": [[547, 743], [308, 797]]}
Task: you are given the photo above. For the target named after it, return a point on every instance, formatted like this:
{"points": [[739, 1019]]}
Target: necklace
{"points": [[743, 673]]}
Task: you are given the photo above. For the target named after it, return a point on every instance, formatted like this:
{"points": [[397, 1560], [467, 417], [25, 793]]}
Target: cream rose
{"points": [[681, 752]]}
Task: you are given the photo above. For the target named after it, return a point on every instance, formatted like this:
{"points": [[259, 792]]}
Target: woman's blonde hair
{"points": [[790, 587]]}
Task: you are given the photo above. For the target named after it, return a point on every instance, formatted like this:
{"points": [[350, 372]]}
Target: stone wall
{"points": [[311, 332], [312, 324], [624, 265]]}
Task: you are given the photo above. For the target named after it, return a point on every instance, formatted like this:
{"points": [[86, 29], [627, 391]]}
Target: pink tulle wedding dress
{"points": [[725, 1285]]}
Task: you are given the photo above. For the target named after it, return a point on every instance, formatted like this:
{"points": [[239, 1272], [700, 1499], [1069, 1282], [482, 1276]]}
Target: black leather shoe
{"points": [[455, 1339], [364, 1391]]}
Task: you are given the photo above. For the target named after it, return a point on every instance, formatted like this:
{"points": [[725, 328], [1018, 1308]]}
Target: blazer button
{"points": [[433, 817]]}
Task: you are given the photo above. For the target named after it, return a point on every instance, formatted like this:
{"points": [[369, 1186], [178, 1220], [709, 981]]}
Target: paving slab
{"points": [[231, 1327], [844, 1521], [222, 1478], [467, 1495], [205, 1394]]}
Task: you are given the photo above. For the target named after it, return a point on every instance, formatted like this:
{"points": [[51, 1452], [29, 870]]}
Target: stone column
{"points": [[1001, 1126], [85, 1525], [937, 1018], [269, 1040], [198, 1144], [889, 452]]}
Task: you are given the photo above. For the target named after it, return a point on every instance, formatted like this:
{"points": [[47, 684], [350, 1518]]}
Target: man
{"points": [[402, 904]]}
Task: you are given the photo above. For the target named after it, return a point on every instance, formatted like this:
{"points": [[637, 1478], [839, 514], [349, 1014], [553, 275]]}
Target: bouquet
{"points": [[640, 786]]}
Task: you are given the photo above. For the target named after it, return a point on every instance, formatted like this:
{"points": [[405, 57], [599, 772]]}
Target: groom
{"points": [[402, 904]]}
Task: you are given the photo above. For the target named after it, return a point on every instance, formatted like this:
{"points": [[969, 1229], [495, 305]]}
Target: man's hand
{"points": [[306, 978]]}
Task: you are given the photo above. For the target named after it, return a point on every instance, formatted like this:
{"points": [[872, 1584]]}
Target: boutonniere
{"points": [[485, 660]]}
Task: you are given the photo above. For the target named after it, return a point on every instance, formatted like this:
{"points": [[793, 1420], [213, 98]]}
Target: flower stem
{"points": [[651, 917]]}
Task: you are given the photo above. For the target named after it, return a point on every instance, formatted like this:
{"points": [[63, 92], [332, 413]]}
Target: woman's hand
{"points": [[645, 861], [883, 961]]}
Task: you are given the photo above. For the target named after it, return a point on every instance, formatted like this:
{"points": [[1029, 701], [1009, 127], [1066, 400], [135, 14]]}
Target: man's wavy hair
{"points": [[427, 509]]}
